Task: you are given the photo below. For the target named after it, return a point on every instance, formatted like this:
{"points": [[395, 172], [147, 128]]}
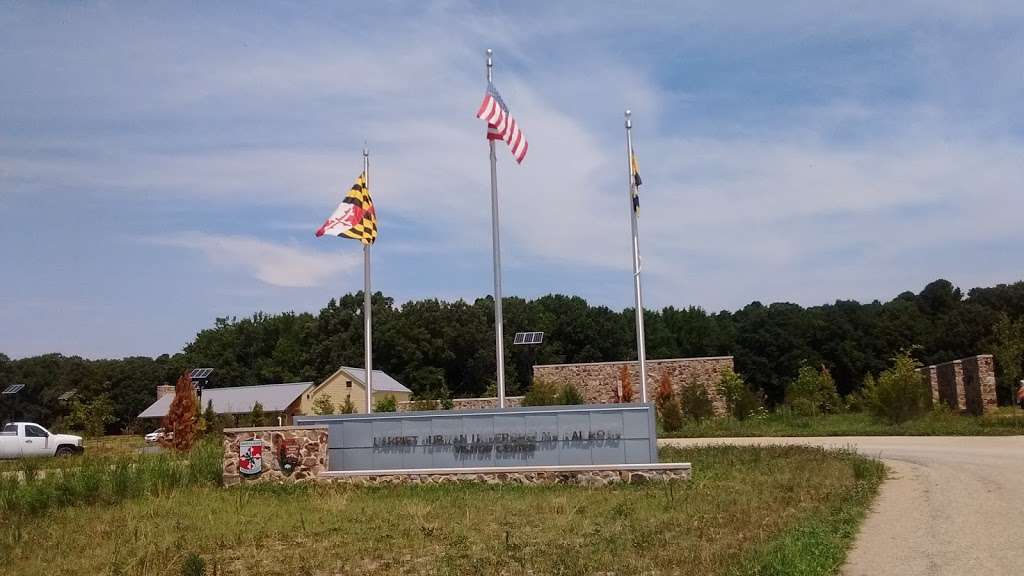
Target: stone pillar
{"points": [[951, 384], [979, 382]]}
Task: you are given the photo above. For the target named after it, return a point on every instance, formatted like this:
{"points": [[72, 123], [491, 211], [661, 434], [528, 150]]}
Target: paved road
{"points": [[952, 506]]}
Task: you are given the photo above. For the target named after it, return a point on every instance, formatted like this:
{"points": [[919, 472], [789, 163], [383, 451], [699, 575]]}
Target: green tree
{"points": [[900, 393], [257, 417], [323, 405], [813, 392], [1008, 352], [214, 424], [739, 399], [347, 407], [92, 417], [542, 392], [695, 402]]}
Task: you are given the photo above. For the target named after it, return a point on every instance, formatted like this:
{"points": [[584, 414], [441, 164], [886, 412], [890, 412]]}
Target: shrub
{"points": [[569, 395], [899, 394], [740, 400], [671, 414], [542, 393], [323, 405], [348, 406], [813, 392], [91, 417], [181, 421], [257, 417], [664, 393], [386, 404], [695, 402], [193, 565], [214, 424]]}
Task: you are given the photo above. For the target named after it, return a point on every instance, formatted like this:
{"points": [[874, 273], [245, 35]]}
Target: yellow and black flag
{"points": [[355, 217], [636, 182]]}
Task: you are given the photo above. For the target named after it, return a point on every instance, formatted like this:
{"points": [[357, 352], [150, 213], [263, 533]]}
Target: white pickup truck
{"points": [[27, 440]]}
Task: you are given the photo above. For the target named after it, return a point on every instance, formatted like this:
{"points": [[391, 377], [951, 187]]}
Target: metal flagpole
{"points": [[499, 338], [641, 351], [367, 307]]}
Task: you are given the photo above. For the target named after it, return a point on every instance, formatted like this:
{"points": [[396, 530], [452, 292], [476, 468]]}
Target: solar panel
{"points": [[200, 373], [13, 389], [67, 395], [528, 338]]}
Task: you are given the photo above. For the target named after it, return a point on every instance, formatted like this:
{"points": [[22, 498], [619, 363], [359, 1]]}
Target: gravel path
{"points": [[952, 506]]}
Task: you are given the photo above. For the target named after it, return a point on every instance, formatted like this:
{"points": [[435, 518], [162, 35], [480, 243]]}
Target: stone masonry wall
{"points": [[598, 382], [467, 403], [967, 384], [579, 477], [307, 443]]}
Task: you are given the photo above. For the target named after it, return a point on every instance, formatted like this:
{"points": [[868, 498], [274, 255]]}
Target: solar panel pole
{"points": [[641, 351], [499, 339], [367, 307]]}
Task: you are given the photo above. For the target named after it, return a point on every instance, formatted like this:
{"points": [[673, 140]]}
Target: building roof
{"points": [[238, 399], [381, 381]]}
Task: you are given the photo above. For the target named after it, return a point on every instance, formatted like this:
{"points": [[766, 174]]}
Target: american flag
{"points": [[500, 123]]}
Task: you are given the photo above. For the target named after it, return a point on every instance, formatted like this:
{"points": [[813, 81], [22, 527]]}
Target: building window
{"points": [[348, 383]]}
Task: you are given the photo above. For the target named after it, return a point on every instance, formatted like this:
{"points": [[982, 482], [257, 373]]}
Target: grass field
{"points": [[1003, 422], [104, 447], [765, 511]]}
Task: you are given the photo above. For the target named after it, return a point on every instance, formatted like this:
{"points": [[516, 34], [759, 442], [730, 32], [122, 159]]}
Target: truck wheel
{"points": [[65, 451]]}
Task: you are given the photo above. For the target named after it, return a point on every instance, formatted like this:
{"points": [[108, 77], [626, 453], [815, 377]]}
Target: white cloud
{"points": [[270, 263]]}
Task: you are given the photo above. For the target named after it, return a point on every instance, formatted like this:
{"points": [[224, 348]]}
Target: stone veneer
{"points": [[967, 384], [466, 403], [598, 382], [312, 449], [498, 476]]}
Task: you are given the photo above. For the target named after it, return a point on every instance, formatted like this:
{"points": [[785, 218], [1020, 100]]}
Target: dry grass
{"points": [[746, 511]]}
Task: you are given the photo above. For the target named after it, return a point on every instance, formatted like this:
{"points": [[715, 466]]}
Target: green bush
{"points": [[695, 402], [813, 392], [193, 565], [569, 396], [386, 404], [740, 400], [671, 414], [347, 407], [542, 393], [899, 394], [323, 405]]}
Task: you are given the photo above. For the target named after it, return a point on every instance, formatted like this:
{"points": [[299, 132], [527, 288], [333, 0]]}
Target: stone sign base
{"points": [[599, 475]]}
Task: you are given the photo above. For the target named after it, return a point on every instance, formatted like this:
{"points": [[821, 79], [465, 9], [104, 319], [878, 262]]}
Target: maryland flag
{"points": [[635, 167], [355, 217]]}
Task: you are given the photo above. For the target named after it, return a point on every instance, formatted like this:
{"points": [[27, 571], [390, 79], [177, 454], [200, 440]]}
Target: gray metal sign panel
{"points": [[537, 435]]}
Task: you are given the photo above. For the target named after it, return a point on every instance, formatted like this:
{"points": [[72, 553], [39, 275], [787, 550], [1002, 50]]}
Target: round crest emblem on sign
{"points": [[250, 457]]}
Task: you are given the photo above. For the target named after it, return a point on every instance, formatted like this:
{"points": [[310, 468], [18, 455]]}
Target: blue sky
{"points": [[164, 164]]}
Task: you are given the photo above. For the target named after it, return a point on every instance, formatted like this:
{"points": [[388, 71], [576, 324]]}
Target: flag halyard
{"points": [[501, 125], [355, 217]]}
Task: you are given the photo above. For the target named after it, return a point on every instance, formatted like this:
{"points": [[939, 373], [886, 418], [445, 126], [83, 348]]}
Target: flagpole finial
{"points": [[490, 63], [629, 114]]}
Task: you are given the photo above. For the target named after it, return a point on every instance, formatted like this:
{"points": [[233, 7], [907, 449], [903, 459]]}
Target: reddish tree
{"points": [[664, 393], [181, 424], [626, 384]]}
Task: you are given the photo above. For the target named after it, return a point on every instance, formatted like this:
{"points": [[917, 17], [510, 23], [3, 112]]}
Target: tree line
{"points": [[443, 349]]}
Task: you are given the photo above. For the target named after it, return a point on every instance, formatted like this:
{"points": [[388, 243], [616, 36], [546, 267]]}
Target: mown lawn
{"points": [[1003, 422], [767, 511]]}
